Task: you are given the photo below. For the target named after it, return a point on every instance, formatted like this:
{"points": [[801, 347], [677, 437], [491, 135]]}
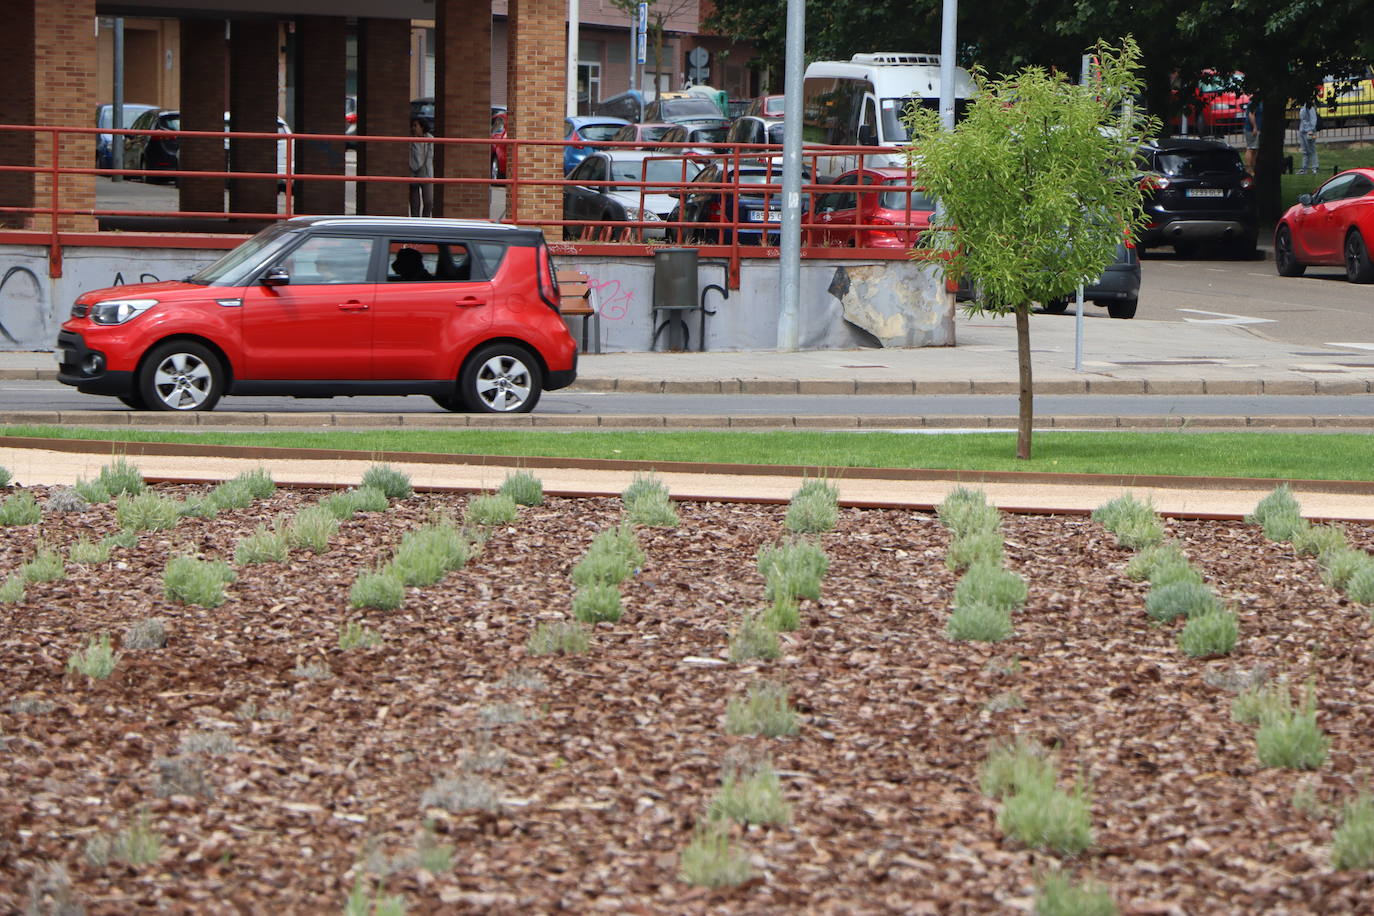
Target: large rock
{"points": [[898, 306]]}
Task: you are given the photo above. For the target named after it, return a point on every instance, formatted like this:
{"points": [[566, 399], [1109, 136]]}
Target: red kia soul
{"points": [[463, 311]]}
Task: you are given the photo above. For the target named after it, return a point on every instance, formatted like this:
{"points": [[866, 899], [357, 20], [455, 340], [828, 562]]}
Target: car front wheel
{"points": [[1285, 260], [501, 378], [1358, 268], [181, 375], [1122, 308]]}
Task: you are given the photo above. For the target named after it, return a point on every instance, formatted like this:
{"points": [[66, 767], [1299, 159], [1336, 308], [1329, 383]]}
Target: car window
{"points": [[599, 131], [171, 122], [655, 170], [674, 135], [628, 132], [1335, 189], [687, 108], [413, 261], [833, 200], [329, 259], [237, 266], [774, 135], [583, 171], [1360, 187], [490, 254], [145, 120], [708, 134], [897, 200], [1196, 163]]}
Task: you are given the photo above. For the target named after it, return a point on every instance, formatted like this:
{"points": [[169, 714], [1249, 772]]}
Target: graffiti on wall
{"points": [[23, 307]]}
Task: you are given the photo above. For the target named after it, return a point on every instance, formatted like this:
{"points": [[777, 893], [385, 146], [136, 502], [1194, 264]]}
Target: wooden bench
{"points": [[577, 299]]}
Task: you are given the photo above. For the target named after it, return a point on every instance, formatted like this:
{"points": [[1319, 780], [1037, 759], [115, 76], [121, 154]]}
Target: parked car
{"points": [[605, 203], [708, 207], [647, 133], [153, 153], [326, 306], [767, 106], [702, 141], [589, 129], [693, 111], [1214, 106], [907, 212], [755, 129], [1197, 194], [104, 117], [1334, 226], [628, 105], [1117, 289]]}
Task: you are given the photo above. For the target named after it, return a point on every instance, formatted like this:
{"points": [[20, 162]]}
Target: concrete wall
{"points": [[845, 304]]}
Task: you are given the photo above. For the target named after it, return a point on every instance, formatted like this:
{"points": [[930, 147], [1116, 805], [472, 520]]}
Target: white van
{"points": [[860, 102]]}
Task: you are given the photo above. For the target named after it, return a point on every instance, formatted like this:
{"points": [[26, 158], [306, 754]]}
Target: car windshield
{"points": [[896, 200], [775, 107], [1201, 162], [235, 267], [658, 170], [599, 131], [689, 108]]}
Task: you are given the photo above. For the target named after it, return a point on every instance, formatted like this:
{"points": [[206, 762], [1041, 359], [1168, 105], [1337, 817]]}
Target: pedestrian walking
{"points": [[421, 166], [1307, 138]]}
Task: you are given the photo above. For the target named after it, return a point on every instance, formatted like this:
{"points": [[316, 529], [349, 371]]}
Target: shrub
{"points": [[1180, 599], [181, 776], [613, 557], [381, 589], [1290, 737], [1143, 565], [135, 845], [93, 491], [20, 509], [978, 622], [1019, 767], [258, 481], [652, 511], [313, 671], [1359, 588], [752, 798], [1058, 896], [430, 552], [213, 742], [341, 505], [120, 477], [360, 903], [753, 639], [312, 528], [793, 568], [811, 514], [5, 476], [985, 583], [193, 581], [148, 633], [1134, 523], [644, 485], [12, 590], [370, 499], [783, 615], [1045, 817], [46, 566], [597, 601], [88, 553], [1137, 533], [464, 792], [818, 488], [353, 635], [1352, 847], [1209, 633], [1170, 573], [565, 637], [430, 854], [966, 513], [1339, 566], [264, 545], [96, 661], [955, 506], [123, 539], [395, 484], [1279, 513], [763, 711], [1261, 702], [147, 511], [66, 499], [232, 494], [1315, 540], [967, 550], [712, 860], [523, 487], [491, 509]]}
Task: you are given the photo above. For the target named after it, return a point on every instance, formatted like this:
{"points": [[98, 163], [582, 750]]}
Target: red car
{"points": [[837, 212], [1332, 227], [498, 150], [461, 310]]}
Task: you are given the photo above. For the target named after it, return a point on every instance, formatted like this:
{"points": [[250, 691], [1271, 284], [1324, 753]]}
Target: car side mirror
{"points": [[276, 276], [1305, 199]]}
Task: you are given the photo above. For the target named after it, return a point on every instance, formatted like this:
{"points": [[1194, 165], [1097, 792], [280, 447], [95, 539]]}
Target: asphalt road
{"points": [[38, 395]]}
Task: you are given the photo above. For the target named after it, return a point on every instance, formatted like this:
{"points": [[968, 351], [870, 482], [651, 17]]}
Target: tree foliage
{"points": [[1037, 184]]}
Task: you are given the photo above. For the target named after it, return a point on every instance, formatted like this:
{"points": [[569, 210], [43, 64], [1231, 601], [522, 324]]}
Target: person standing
{"points": [[1307, 138], [421, 166], [1253, 113]]}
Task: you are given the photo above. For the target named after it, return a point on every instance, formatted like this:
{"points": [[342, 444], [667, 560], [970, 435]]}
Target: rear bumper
{"points": [[561, 378], [1197, 230], [1119, 283]]}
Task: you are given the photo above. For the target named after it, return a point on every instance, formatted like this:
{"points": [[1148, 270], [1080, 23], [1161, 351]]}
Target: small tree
{"points": [[1040, 180]]}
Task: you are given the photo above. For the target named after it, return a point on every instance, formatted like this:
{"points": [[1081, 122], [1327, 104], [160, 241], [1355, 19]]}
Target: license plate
{"points": [[759, 216], [1204, 192]]}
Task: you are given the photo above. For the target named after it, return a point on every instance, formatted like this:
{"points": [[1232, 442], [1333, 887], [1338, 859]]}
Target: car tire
{"points": [[181, 375], [500, 378], [1285, 259], [449, 402], [1358, 268], [1122, 308], [133, 401], [1056, 306]]}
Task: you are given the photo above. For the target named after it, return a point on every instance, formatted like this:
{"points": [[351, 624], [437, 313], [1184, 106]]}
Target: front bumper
{"points": [[84, 368]]}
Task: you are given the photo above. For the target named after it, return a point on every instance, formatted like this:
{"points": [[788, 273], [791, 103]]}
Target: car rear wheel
{"points": [[501, 378], [1285, 261], [1122, 308], [1358, 268], [1056, 306], [181, 375]]}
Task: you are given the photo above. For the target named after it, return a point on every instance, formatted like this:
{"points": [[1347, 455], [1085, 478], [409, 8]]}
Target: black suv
{"points": [[1197, 193]]}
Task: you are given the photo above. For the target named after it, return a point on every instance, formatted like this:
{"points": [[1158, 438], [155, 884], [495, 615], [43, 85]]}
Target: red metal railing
{"points": [[582, 235]]}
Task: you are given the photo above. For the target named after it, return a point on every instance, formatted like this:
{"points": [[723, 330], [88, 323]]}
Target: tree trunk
{"points": [[1023, 364], [1269, 203]]}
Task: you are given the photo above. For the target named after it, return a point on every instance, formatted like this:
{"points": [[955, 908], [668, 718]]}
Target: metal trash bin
{"points": [[675, 294]]}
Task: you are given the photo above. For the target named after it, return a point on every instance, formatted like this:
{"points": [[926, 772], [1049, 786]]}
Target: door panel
{"points": [[423, 318]]}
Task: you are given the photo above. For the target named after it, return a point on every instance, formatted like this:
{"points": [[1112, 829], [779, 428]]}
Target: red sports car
{"points": [[1332, 227]]}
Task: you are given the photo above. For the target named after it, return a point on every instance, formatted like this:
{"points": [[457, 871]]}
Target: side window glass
{"points": [[1360, 187], [490, 254], [413, 261], [1334, 190], [329, 259]]}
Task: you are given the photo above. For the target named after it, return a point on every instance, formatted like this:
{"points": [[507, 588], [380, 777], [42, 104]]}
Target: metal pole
{"points": [[117, 109], [574, 13], [948, 23], [1078, 332], [789, 255]]}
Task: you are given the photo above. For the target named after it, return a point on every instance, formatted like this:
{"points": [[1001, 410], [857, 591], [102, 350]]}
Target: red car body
{"points": [[1214, 106], [899, 215], [1333, 226], [475, 324]]}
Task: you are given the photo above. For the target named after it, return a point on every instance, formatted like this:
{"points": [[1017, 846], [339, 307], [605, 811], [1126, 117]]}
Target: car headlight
{"points": [[118, 311]]}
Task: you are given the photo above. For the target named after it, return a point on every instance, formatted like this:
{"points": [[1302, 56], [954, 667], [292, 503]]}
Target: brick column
{"points": [[383, 111], [320, 86], [50, 60], [462, 76], [535, 87], [204, 89], [253, 107]]}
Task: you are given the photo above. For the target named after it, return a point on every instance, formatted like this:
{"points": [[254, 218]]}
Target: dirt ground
{"points": [[603, 762]]}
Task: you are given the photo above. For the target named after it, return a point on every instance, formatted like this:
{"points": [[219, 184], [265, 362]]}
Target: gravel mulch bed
{"points": [[602, 763]]}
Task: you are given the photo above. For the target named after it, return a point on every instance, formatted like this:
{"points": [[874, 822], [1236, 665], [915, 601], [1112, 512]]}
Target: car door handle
{"points": [[468, 302], [352, 305]]}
